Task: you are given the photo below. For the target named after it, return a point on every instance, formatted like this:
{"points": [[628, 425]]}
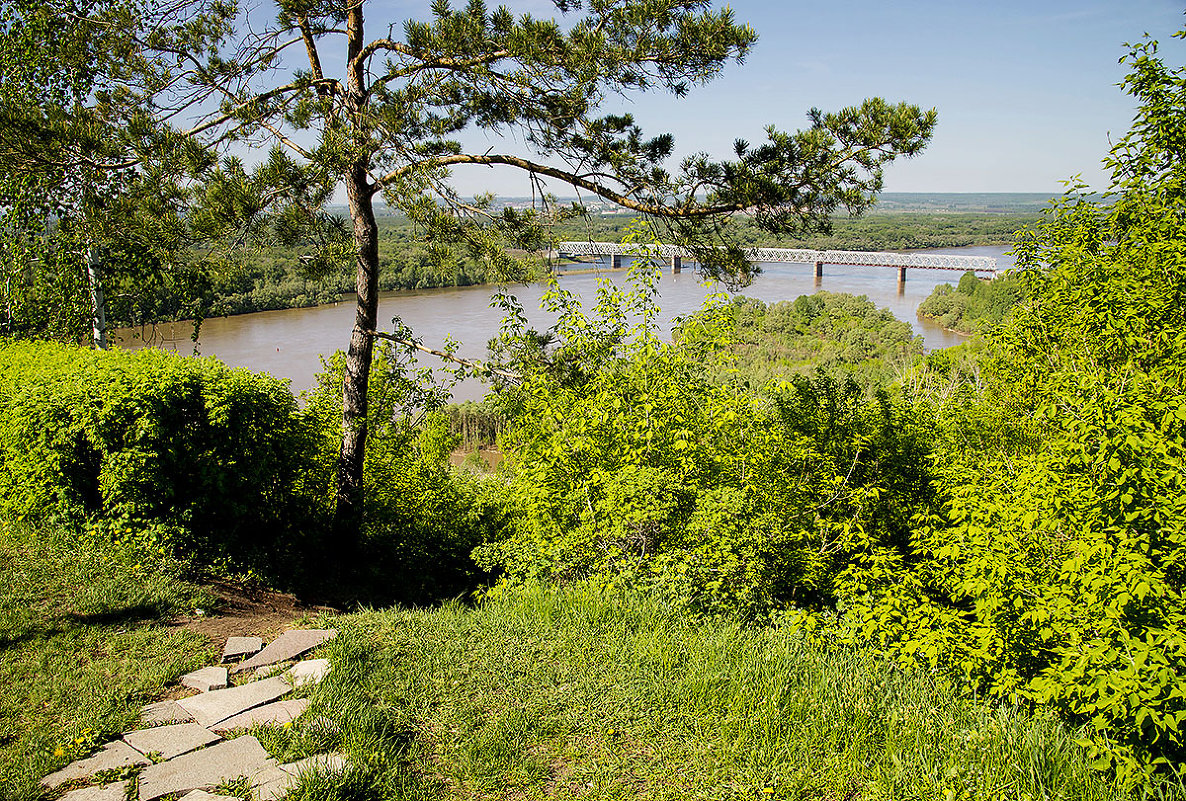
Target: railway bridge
{"points": [[981, 265]]}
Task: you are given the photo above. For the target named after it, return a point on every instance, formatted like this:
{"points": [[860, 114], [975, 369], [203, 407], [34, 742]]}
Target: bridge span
{"points": [[903, 261]]}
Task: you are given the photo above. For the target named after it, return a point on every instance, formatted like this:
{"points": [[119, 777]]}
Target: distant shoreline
{"points": [[887, 203]]}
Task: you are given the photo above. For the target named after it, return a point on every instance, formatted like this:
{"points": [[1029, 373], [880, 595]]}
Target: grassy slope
{"points": [[557, 695], [82, 645], [540, 694]]}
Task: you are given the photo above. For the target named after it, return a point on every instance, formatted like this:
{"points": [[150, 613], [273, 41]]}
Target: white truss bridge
{"points": [[860, 258]]}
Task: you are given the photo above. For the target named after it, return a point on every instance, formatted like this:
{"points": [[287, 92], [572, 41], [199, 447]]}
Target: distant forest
{"points": [[887, 202], [275, 278]]}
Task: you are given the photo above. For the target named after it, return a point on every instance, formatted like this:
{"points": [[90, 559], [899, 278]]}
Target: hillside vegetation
{"points": [[783, 556], [276, 277]]}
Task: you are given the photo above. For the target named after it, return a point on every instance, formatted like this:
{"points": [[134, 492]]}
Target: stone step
{"points": [[276, 714], [114, 755], [171, 741], [216, 706], [206, 679], [288, 645], [243, 756], [237, 648]]}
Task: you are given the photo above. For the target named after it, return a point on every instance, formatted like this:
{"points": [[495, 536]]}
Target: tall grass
{"points": [[558, 693]]}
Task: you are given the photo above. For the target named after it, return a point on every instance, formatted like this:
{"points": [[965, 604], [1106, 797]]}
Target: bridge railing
{"points": [[927, 261]]}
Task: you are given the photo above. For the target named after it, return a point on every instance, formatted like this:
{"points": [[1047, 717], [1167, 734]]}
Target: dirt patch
{"points": [[247, 611]]}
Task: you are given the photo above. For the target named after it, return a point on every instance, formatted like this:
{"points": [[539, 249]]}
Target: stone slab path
{"points": [[275, 714], [243, 756], [113, 756], [165, 712], [206, 679], [237, 648], [112, 792], [218, 705], [170, 741], [288, 645], [182, 749]]}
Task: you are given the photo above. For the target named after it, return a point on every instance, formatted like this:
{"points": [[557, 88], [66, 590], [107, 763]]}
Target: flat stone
{"points": [[243, 756], [114, 755], [217, 705], [276, 714], [269, 670], [165, 712], [171, 741], [310, 671], [206, 679], [272, 784], [318, 763], [202, 795], [238, 647], [288, 645], [112, 792]]}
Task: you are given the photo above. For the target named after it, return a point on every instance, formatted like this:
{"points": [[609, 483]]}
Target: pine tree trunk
{"points": [[360, 193], [358, 357]]}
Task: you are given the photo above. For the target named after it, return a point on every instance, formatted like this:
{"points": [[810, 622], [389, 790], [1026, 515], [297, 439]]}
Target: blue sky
{"points": [[1026, 91]]}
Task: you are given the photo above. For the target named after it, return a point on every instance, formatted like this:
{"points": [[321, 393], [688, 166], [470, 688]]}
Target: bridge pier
{"points": [[819, 269], [677, 265], [901, 275]]}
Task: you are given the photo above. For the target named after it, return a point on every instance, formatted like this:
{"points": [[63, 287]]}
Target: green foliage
{"points": [[1055, 570], [85, 643], [422, 519], [87, 178], [475, 424], [639, 469], [548, 692], [209, 456], [975, 306], [842, 335]]}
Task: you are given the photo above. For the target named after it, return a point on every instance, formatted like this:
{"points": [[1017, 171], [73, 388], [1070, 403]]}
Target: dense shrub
{"points": [[847, 336], [1057, 569], [629, 464], [214, 454]]}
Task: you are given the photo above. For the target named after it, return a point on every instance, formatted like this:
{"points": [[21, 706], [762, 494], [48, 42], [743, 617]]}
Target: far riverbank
{"points": [[291, 343]]}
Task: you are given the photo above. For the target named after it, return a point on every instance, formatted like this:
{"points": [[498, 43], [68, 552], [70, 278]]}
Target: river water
{"points": [[289, 343]]}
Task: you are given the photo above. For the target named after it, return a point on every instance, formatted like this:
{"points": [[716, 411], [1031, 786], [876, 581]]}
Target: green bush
{"points": [[845, 335], [1057, 569], [629, 465], [213, 454]]}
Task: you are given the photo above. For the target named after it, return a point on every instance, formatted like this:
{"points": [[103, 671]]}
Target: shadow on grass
{"points": [[10, 640], [135, 613]]}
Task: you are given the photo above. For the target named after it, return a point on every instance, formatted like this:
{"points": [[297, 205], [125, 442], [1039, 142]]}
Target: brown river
{"points": [[289, 343]]}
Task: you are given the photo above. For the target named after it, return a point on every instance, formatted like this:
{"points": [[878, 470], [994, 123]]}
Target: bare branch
{"points": [[332, 83], [310, 47], [579, 181], [439, 63], [472, 364]]}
